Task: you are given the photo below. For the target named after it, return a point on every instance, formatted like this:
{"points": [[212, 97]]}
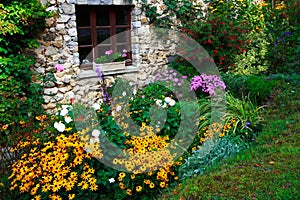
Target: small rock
{"points": [[46, 99], [51, 91], [72, 82], [50, 51], [68, 8]]}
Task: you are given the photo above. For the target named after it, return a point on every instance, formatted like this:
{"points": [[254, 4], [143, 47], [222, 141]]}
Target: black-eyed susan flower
{"points": [[139, 188]]}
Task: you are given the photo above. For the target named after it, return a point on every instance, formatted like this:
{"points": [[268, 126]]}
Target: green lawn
{"points": [[268, 170]]}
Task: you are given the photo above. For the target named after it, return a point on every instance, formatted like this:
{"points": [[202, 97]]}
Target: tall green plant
{"points": [[20, 98]]}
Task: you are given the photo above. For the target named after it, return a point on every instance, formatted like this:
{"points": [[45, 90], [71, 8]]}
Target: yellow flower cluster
{"points": [[227, 127], [280, 6], [51, 167], [146, 154]]}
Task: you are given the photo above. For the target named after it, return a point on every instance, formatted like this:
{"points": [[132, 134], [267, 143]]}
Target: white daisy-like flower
{"points": [[68, 119], [67, 107], [111, 180], [172, 102], [96, 106], [158, 102], [59, 126], [64, 112], [124, 94], [95, 133], [168, 99]]}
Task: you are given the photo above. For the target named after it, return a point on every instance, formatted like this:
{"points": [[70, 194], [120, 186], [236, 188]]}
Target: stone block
{"points": [[81, 1], [51, 91], [93, 2]]}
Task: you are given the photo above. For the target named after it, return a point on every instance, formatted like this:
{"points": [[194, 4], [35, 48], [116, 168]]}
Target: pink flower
{"points": [[124, 51], [124, 55], [59, 67], [108, 52]]}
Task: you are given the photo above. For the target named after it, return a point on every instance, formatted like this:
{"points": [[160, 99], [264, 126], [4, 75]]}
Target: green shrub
{"points": [[258, 88], [20, 96]]}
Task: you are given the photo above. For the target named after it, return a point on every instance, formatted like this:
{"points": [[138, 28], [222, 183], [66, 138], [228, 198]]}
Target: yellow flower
{"points": [[37, 118], [71, 196], [132, 176], [162, 184], [37, 197], [4, 127], [152, 185], [122, 186], [138, 188], [94, 187], [122, 174], [129, 192]]}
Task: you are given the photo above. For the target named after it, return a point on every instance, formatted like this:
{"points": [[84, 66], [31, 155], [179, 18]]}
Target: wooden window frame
{"points": [[112, 26]]}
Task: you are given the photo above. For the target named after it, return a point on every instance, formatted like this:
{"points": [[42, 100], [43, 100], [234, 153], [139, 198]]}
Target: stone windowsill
{"points": [[86, 74]]}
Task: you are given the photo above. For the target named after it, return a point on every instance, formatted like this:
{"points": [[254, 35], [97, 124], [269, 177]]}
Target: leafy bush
{"points": [[282, 22], [255, 61], [20, 98], [258, 88]]}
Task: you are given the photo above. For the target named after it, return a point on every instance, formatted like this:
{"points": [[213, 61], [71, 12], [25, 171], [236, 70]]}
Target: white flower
{"points": [[168, 99], [59, 126], [124, 94], [63, 112], [96, 106], [158, 102], [172, 102], [66, 107], [118, 108], [134, 91], [95, 133], [111, 180], [164, 106], [68, 119]]}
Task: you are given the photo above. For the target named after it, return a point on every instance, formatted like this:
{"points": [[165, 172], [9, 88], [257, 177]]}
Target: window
{"points": [[95, 24]]}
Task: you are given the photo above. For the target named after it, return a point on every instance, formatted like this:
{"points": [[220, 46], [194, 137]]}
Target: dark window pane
{"points": [[123, 36], [85, 54], [82, 17], [84, 37], [103, 36], [122, 17], [102, 18]]}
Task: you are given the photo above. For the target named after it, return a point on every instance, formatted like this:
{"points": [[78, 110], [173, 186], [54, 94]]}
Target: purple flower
{"points": [[124, 55], [59, 67], [124, 51], [208, 83], [184, 77], [247, 124]]}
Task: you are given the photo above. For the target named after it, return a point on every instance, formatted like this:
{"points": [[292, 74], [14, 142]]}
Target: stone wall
{"points": [[59, 46]]}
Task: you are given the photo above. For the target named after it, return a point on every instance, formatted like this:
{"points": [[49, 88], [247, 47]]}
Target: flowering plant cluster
{"points": [[208, 83], [110, 56]]}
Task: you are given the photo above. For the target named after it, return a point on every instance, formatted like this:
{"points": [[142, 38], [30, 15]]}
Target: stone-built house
{"points": [[77, 34]]}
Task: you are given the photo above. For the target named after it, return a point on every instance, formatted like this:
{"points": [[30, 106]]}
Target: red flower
{"points": [[284, 15]]}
